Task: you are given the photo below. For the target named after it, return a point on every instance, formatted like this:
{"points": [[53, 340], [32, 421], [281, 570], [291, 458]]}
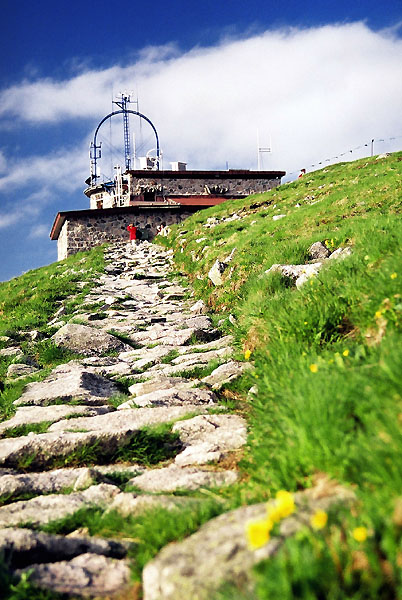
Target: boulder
{"points": [[172, 397], [87, 575], [87, 340], [67, 382], [27, 415], [318, 251]]}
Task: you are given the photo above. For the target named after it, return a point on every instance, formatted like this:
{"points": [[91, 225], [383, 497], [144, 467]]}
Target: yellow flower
{"points": [[285, 503], [360, 534], [378, 314], [247, 354], [345, 353], [394, 275], [313, 368], [319, 519], [257, 533], [305, 322]]}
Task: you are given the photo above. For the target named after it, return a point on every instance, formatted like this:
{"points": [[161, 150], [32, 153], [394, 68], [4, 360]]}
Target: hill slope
{"points": [[327, 361]]}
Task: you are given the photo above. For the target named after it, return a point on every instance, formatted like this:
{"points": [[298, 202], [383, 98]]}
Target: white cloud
{"points": [[315, 91], [39, 231]]}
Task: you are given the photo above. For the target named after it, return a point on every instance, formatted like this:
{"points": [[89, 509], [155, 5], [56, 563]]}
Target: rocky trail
{"points": [[133, 304], [135, 326]]}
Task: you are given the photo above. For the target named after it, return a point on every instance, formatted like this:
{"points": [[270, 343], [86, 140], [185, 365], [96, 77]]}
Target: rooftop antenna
{"points": [[124, 99], [261, 150]]}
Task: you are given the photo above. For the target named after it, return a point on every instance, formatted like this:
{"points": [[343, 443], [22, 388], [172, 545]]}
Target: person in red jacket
{"points": [[132, 229]]}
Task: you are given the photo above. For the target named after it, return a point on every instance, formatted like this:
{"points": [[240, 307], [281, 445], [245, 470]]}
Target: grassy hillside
{"points": [[327, 359]]}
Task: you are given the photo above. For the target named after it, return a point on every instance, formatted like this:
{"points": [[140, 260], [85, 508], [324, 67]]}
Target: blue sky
{"points": [[314, 79]]}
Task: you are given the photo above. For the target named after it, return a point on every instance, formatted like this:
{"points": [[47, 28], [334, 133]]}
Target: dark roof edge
{"points": [[231, 173]]}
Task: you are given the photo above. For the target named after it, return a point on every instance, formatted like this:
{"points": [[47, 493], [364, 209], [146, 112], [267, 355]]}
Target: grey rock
{"points": [[209, 438], [218, 552], [225, 373], [87, 340], [318, 251], [38, 414], [44, 509], [341, 253], [159, 382], [278, 217], [216, 271], [20, 370], [67, 382], [202, 357], [12, 351], [172, 397], [129, 420], [46, 482], [128, 503], [199, 308], [172, 478], [22, 547], [88, 575], [42, 449]]}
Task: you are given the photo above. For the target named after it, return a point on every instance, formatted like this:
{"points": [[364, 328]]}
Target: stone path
{"points": [[135, 323]]}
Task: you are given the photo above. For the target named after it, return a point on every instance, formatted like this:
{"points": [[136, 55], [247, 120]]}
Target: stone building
{"points": [[151, 198]]}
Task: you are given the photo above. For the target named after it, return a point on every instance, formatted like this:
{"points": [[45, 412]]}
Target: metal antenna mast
{"points": [[122, 103]]}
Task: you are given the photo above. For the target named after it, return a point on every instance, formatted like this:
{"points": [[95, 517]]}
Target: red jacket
{"points": [[133, 232]]}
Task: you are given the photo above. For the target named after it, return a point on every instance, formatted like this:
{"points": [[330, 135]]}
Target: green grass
{"points": [[30, 301], [327, 357], [20, 430]]}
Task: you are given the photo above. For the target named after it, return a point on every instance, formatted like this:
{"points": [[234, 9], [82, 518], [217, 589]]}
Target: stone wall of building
{"points": [[197, 186], [83, 232]]}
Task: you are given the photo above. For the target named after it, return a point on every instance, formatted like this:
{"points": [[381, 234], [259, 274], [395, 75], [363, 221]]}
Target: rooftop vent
{"points": [[178, 166]]}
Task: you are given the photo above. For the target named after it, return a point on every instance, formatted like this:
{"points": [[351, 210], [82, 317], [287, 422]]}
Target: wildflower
{"points": [[345, 352], [367, 257], [247, 354], [285, 503], [313, 368], [319, 519], [394, 275], [305, 322], [360, 534], [258, 533], [378, 314]]}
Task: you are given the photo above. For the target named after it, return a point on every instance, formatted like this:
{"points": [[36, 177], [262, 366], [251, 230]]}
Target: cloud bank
{"points": [[314, 92]]}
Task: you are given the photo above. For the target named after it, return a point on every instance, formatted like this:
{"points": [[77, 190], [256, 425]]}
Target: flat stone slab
{"points": [[172, 478], [68, 382], [39, 451], [159, 382], [225, 374], [129, 503], [47, 482], [87, 340], [88, 575], [218, 552], [172, 397], [20, 370], [126, 420], [22, 547], [44, 509], [209, 438], [27, 415]]}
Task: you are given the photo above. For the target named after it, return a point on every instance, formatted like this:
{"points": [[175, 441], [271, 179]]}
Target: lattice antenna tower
{"points": [[124, 99]]}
